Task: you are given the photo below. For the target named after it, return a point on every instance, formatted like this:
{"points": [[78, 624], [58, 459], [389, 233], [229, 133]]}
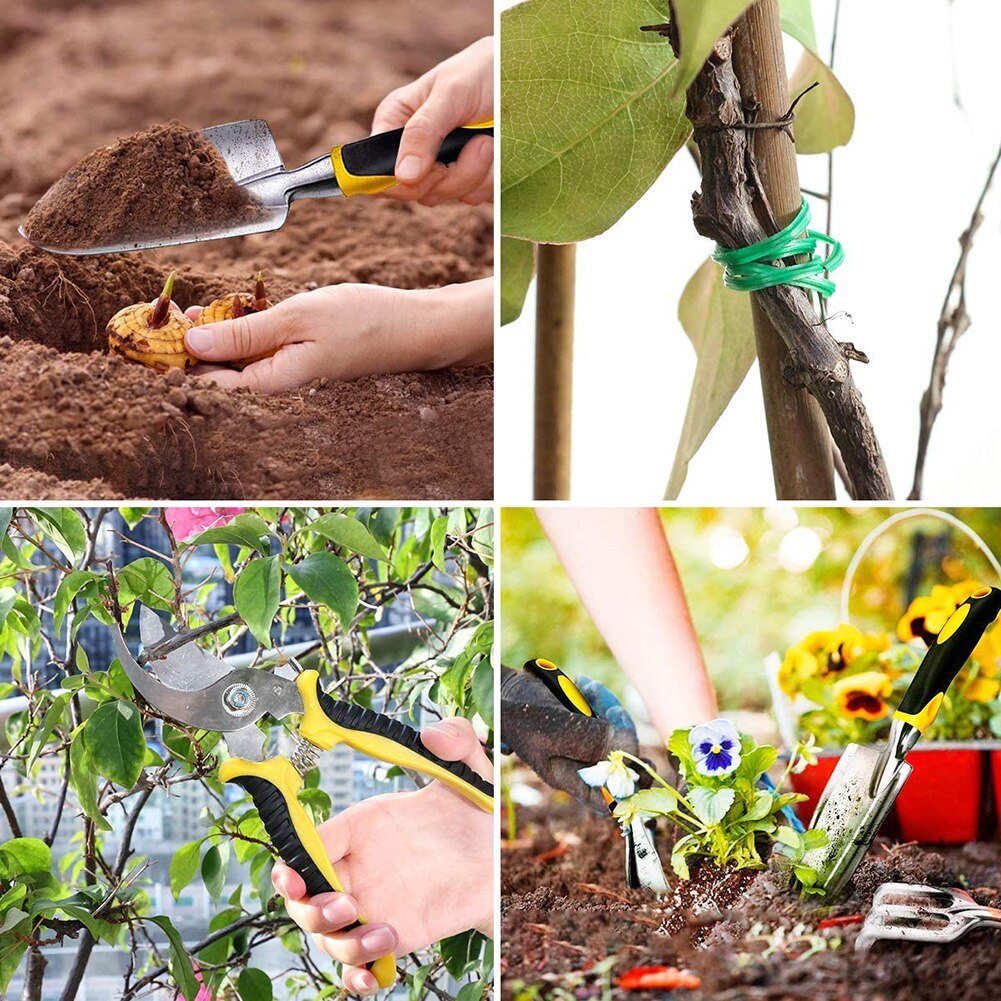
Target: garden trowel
{"points": [[364, 167], [643, 865], [866, 781]]}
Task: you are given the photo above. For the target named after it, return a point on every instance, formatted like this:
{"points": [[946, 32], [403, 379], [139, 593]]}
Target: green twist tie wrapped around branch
{"points": [[750, 269]]}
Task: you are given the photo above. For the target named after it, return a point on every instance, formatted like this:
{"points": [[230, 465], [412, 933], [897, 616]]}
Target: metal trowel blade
{"points": [[251, 154], [851, 815]]}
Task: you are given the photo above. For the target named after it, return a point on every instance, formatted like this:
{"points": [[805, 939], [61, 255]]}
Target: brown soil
{"points": [[561, 916], [164, 182], [77, 75]]}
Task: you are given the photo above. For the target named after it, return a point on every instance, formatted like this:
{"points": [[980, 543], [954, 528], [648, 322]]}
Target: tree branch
{"points": [[953, 322], [733, 210]]}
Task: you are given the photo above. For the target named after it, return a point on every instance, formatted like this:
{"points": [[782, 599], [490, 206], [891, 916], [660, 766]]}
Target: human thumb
{"points": [[455, 740], [244, 337], [423, 134]]}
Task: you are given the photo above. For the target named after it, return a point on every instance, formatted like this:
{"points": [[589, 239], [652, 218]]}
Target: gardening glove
{"points": [[556, 742]]}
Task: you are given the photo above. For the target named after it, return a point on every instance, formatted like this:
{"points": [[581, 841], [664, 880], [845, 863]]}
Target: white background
{"points": [[904, 190]]}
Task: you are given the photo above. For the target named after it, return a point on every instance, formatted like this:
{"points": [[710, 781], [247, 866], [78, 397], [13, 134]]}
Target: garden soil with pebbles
{"points": [[82, 423], [560, 915]]}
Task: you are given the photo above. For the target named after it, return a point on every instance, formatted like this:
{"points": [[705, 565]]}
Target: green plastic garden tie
{"points": [[759, 266]]}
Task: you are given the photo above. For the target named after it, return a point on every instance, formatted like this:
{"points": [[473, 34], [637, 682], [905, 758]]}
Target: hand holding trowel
{"points": [[866, 781]]}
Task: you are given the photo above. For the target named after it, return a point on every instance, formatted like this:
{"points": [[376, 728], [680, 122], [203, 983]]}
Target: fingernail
{"points": [[409, 168], [360, 981], [378, 940], [199, 339], [339, 912]]}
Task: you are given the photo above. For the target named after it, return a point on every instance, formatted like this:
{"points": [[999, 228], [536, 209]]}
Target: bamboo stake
{"points": [[554, 369], [798, 436]]}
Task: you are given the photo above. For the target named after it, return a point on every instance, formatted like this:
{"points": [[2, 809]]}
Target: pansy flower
{"points": [[715, 747], [827, 652], [612, 774], [863, 696], [928, 613]]}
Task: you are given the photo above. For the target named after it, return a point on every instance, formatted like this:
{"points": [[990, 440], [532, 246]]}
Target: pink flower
{"points": [[187, 521]]}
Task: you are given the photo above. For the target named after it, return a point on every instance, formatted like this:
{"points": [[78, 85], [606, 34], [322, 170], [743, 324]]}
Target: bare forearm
{"points": [[621, 565]]}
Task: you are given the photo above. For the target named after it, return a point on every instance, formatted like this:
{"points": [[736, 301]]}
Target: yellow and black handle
{"points": [[950, 651], [568, 694], [368, 166]]}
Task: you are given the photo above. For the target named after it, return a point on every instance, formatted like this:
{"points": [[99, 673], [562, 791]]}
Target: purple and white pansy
{"points": [[613, 774], [715, 747]]}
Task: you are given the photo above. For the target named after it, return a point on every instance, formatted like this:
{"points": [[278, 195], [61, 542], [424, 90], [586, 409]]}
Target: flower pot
{"points": [[942, 802], [811, 781]]}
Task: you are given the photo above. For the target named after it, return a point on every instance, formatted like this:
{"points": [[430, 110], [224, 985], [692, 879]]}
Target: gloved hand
{"points": [[554, 741]]}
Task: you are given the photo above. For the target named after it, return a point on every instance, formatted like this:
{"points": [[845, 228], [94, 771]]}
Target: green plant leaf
{"points": [[149, 581], [247, 530], [350, 533], [133, 515], [179, 962], [254, 985], [700, 26], [483, 691], [517, 271], [214, 871], [825, 118], [83, 777], [64, 527], [24, 856], [6, 513], [711, 805], [7, 598], [718, 322], [761, 807], [69, 587], [256, 595], [50, 721], [472, 991], [588, 119], [654, 802], [115, 742], [327, 579], [184, 866], [438, 530]]}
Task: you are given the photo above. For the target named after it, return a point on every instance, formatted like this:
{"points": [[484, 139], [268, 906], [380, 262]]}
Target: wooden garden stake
{"points": [[798, 436], [553, 369]]}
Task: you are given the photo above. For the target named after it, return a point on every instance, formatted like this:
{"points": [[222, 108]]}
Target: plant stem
{"points": [[802, 461], [554, 319], [162, 308]]}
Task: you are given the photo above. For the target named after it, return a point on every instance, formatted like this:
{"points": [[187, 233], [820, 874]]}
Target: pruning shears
{"points": [[191, 686], [643, 865]]}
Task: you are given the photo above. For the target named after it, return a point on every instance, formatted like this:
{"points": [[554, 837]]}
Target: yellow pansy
{"points": [[928, 613], [827, 652], [863, 696]]}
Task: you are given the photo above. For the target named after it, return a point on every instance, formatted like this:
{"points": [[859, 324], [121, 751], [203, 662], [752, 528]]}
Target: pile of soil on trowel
{"points": [[167, 181], [73, 79], [745, 935]]}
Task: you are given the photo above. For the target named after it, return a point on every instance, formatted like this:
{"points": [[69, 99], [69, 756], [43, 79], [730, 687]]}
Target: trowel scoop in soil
{"points": [[916, 913], [866, 781], [170, 185]]}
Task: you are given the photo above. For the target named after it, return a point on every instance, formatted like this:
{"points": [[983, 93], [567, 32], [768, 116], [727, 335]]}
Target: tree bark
{"points": [[34, 974], [800, 443], [554, 369], [733, 208]]}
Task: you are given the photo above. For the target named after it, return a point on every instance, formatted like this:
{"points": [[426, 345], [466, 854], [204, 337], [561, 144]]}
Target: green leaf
{"points": [[711, 805], [50, 721], [517, 270], [256, 595], [438, 530], [214, 871], [700, 26], [64, 527], [133, 515], [12, 949], [588, 119], [654, 802], [149, 581], [69, 587], [254, 985], [83, 777], [814, 838], [460, 952], [472, 991], [718, 322], [483, 691], [756, 761], [7, 598], [184, 865], [115, 742], [327, 579], [6, 513], [417, 981], [761, 807], [787, 836], [179, 962], [825, 118], [350, 533], [24, 856], [807, 875], [244, 530]]}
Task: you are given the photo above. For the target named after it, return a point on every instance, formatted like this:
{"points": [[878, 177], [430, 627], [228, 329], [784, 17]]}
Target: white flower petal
{"points": [[621, 783], [596, 775]]}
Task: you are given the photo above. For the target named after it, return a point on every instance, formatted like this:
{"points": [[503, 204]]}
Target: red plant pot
{"points": [[996, 775], [811, 781], [941, 803]]}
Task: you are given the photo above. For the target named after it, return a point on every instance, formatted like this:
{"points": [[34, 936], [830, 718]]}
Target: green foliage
{"points": [[726, 818], [576, 157], [338, 569], [718, 322], [517, 271], [700, 26]]}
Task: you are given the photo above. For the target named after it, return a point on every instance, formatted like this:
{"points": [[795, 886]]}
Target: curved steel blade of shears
{"points": [[189, 667], [230, 703]]}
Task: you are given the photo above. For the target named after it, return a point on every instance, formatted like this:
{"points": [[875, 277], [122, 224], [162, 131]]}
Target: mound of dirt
{"points": [[164, 182], [745, 934], [73, 78]]}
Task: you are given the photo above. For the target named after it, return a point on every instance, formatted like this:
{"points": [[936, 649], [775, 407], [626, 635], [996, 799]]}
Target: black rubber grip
{"points": [[354, 717], [944, 659], [376, 155], [274, 813]]}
